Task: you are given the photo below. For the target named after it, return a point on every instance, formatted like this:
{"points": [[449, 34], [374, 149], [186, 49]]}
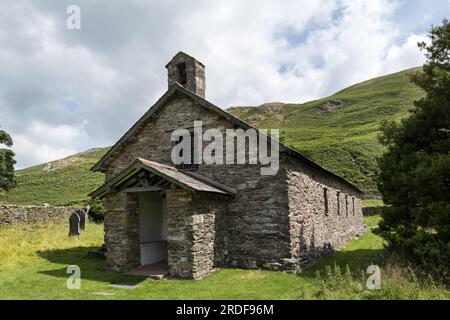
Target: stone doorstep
{"points": [[155, 271]]}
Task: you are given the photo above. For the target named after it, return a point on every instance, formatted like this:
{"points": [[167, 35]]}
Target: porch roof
{"points": [[146, 175]]}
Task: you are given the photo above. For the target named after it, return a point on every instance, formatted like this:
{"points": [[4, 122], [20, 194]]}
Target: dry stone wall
{"points": [[13, 214]]}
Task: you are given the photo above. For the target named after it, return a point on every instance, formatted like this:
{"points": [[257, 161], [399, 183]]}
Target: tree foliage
{"points": [[7, 162], [414, 174]]}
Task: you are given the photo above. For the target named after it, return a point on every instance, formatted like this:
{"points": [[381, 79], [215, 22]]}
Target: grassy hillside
{"points": [[61, 182], [340, 132]]}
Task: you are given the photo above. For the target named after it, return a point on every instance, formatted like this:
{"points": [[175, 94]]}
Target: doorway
{"points": [[152, 212]]}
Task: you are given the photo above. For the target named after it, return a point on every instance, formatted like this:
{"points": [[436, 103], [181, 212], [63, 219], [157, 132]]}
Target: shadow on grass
{"points": [[92, 268]]}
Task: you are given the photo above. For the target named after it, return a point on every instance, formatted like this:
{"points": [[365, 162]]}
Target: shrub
{"points": [[97, 212]]}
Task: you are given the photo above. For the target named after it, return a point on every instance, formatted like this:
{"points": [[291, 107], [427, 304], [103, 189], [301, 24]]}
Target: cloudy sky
{"points": [[64, 91]]}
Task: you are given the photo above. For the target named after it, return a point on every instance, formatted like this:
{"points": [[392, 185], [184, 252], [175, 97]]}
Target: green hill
{"points": [[339, 132], [60, 182]]}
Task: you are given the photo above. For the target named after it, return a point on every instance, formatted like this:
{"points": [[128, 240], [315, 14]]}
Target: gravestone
{"points": [[82, 215], [74, 225]]}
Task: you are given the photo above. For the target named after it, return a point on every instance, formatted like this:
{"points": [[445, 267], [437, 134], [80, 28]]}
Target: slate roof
{"points": [[178, 89], [172, 175]]}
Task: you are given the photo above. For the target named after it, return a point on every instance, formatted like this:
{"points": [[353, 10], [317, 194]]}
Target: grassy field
{"points": [[63, 182], [340, 132], [34, 259]]}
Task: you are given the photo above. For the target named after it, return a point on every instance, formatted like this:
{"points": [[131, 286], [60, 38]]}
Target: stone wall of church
{"points": [[121, 231], [196, 233], [179, 233], [324, 213], [257, 219]]}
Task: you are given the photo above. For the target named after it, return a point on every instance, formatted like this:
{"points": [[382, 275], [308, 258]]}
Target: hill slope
{"points": [[340, 132], [60, 182]]}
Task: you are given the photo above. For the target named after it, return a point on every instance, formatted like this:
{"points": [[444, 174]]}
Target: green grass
{"points": [[372, 203], [34, 258], [68, 182], [342, 139]]}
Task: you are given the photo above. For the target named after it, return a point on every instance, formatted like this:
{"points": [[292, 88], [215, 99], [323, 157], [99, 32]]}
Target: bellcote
{"points": [[187, 72]]}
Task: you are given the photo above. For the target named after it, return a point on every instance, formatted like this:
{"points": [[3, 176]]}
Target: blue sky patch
{"points": [[70, 103]]}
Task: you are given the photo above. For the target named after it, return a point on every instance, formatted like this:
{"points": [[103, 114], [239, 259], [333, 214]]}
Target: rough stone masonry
{"points": [[14, 214]]}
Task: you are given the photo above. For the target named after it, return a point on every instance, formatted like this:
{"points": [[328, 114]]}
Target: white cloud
{"points": [[405, 55], [42, 143], [108, 73]]}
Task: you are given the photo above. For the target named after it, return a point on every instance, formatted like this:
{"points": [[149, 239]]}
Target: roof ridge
{"points": [[156, 163]]}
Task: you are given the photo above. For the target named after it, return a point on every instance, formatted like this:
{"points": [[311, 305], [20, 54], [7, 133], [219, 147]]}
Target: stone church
{"points": [[195, 218]]}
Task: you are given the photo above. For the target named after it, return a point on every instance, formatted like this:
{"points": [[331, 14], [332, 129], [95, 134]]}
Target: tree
{"points": [[414, 177], [7, 162]]}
